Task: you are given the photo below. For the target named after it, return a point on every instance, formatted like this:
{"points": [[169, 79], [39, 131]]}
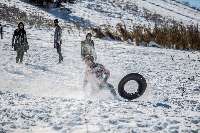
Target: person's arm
{"points": [[92, 44], [25, 38], [107, 74], [26, 42], [85, 80], [13, 38], [60, 36], [82, 49], [94, 54], [57, 36]]}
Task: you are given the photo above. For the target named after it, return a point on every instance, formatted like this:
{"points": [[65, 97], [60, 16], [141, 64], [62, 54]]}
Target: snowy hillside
{"points": [[110, 12], [130, 12], [43, 96]]}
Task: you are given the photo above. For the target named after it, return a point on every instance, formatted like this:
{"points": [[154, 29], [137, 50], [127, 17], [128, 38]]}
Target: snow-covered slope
{"points": [[110, 12], [41, 76], [131, 12], [43, 96]]}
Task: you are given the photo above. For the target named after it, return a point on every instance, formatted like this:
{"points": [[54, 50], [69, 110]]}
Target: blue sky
{"points": [[195, 3]]}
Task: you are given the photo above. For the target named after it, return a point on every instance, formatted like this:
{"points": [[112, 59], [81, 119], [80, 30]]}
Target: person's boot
{"points": [[21, 61], [60, 58], [21, 58], [17, 60]]}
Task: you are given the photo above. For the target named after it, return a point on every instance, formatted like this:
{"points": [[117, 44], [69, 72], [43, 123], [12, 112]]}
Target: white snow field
{"points": [[41, 96], [111, 12]]}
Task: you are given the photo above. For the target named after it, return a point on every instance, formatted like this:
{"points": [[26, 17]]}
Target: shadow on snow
{"points": [[66, 15]]}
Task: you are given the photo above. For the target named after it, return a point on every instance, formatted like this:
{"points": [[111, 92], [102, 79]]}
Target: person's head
{"points": [[21, 25], [89, 36], [56, 22], [89, 60]]}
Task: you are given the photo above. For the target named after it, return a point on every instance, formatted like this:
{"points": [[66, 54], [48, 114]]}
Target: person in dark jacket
{"points": [[58, 39], [19, 42]]}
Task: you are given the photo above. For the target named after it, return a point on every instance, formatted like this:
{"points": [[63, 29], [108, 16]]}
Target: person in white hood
{"points": [[87, 47]]}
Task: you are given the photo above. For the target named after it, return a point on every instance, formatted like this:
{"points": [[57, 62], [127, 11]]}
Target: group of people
{"points": [[99, 73], [20, 42]]}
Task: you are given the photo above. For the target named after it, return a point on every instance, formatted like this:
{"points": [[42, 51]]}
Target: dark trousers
{"points": [[58, 47], [110, 87], [20, 56]]}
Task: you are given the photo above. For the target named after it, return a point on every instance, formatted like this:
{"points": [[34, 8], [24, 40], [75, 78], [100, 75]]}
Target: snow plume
{"points": [[94, 92]]}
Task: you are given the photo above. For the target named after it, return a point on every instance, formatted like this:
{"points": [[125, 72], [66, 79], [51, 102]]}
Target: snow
{"points": [[32, 114], [55, 94], [89, 13], [43, 96], [111, 12], [172, 9]]}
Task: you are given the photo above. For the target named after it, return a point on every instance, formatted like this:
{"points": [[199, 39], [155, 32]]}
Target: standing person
{"points": [[19, 42], [58, 40], [97, 74], [87, 47]]}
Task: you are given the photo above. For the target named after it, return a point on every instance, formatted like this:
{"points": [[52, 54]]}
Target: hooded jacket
{"points": [[19, 39], [87, 48]]}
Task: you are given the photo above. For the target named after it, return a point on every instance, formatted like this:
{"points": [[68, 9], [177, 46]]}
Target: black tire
{"points": [[142, 85]]}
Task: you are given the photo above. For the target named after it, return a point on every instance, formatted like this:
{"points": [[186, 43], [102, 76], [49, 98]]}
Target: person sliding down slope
{"points": [[98, 73], [87, 47]]}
